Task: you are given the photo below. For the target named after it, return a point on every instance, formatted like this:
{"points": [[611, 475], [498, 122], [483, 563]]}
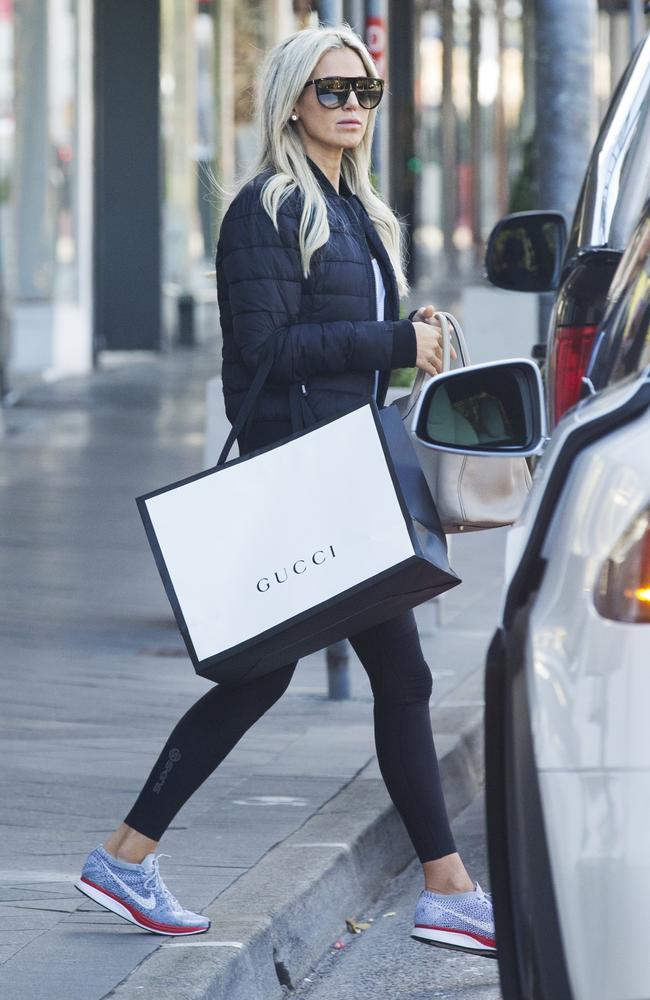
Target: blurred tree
{"points": [[523, 195]]}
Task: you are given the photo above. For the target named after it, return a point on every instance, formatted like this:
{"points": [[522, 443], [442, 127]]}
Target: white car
{"points": [[568, 677]]}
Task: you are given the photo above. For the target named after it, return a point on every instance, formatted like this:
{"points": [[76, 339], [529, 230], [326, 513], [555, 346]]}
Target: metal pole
{"points": [[31, 186], [5, 340], [338, 671], [186, 330], [565, 112], [376, 41], [376, 18], [448, 141], [500, 135], [636, 23], [476, 146], [401, 145], [354, 14], [330, 11]]}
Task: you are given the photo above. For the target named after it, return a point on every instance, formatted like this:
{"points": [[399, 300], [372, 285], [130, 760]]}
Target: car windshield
{"points": [[617, 182]]}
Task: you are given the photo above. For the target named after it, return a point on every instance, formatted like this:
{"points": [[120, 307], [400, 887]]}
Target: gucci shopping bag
{"points": [[279, 553]]}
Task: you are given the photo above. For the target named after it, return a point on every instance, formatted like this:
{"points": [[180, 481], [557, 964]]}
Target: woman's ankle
{"points": [[127, 844], [447, 875], [450, 888]]}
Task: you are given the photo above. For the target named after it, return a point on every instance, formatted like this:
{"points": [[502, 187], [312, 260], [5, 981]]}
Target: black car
{"points": [[622, 345], [529, 251]]}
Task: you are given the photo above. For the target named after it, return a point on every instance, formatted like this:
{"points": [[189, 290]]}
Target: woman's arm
{"points": [[263, 270]]}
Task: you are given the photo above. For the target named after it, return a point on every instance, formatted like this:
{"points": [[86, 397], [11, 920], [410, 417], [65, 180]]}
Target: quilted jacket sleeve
{"points": [[263, 273]]}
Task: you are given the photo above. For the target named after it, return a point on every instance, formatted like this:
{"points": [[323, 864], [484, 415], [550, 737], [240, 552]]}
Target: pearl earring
{"points": [[294, 117]]}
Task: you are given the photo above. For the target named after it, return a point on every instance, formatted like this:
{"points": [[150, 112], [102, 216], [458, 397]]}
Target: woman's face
{"points": [[332, 128]]}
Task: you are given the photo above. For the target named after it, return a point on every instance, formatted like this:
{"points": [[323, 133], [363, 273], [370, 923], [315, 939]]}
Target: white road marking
{"points": [[324, 843], [15, 875], [204, 944], [270, 800]]}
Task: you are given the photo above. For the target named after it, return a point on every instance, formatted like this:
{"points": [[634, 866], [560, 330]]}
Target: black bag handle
{"points": [[247, 407], [301, 413]]}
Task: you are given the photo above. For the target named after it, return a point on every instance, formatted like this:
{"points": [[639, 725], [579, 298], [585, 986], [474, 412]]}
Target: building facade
{"points": [[116, 118]]}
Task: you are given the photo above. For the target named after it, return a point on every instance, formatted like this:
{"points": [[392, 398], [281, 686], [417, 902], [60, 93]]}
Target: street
{"points": [[384, 961]]}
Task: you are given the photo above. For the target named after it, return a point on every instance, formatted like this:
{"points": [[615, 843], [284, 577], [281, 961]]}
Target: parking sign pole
{"points": [[376, 39], [636, 23], [330, 11]]}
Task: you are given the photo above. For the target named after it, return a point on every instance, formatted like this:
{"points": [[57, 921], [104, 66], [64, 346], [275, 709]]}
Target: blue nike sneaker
{"points": [[463, 921], [137, 893]]}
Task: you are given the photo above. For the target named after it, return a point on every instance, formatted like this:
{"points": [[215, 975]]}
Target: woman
{"points": [[309, 261]]}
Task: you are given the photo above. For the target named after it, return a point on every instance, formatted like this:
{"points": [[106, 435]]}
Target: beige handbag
{"points": [[471, 492]]}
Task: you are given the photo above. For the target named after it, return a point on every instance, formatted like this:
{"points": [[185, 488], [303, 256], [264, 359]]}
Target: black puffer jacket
{"points": [[326, 336]]}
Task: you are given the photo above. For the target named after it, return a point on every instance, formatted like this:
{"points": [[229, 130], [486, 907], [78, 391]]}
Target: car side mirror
{"points": [[525, 251], [490, 409]]}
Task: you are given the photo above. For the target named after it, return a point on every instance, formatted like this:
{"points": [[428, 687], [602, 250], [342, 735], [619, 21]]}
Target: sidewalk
{"points": [[293, 832]]}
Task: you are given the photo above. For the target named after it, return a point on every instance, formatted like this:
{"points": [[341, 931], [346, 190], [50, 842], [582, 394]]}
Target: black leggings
{"points": [[401, 685]]}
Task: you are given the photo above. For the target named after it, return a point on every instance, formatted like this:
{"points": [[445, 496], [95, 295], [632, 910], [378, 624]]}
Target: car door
{"points": [[568, 778]]}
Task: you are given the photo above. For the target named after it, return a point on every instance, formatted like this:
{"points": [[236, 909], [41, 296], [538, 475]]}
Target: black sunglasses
{"points": [[333, 91]]}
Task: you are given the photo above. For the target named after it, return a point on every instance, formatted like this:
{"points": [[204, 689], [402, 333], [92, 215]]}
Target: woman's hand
{"points": [[429, 341]]}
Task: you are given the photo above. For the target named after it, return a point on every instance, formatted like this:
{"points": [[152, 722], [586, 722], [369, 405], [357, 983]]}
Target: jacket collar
{"points": [[326, 185], [375, 244]]}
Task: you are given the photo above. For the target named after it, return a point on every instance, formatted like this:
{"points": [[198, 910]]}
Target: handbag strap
{"points": [[246, 409], [300, 411], [448, 323], [461, 340]]}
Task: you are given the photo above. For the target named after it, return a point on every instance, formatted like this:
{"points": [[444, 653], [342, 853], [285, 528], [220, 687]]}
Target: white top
{"points": [[381, 296]]}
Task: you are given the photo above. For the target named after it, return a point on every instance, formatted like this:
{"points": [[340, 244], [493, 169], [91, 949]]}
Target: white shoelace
{"points": [[483, 897], [156, 877]]}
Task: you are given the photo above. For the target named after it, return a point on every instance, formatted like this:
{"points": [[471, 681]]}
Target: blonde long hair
{"points": [[280, 81]]}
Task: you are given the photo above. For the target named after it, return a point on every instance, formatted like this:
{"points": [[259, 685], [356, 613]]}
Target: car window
{"points": [[623, 345], [633, 182], [617, 182]]}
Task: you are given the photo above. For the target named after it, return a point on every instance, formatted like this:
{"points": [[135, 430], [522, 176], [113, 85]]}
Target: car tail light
{"points": [[572, 349], [622, 592]]}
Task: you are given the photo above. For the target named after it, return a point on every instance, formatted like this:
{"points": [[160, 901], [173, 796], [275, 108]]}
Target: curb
{"points": [[271, 926]]}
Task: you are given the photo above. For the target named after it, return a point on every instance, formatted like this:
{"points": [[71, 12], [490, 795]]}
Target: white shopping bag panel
{"points": [[258, 542]]}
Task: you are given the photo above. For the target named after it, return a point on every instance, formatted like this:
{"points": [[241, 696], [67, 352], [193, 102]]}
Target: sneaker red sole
{"points": [[441, 937], [130, 913]]}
